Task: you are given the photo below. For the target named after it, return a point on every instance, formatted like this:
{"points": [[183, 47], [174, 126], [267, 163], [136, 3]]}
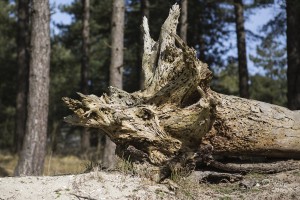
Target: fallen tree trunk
{"points": [[177, 117], [253, 128]]}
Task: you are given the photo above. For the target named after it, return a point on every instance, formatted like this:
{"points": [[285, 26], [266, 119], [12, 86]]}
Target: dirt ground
{"points": [[117, 185]]}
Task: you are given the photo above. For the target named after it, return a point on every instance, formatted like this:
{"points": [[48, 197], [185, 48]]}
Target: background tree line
{"points": [[102, 46]]}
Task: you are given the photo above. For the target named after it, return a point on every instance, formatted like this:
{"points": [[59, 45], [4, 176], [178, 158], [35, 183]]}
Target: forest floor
{"points": [[122, 184]]}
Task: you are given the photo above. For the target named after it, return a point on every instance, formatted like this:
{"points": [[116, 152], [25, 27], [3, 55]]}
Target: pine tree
{"points": [[85, 135], [31, 161], [183, 20], [293, 52], [23, 70], [241, 44], [270, 85], [9, 71], [116, 68]]}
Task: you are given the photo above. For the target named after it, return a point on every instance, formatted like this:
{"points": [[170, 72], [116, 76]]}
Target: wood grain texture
{"points": [[166, 123]]}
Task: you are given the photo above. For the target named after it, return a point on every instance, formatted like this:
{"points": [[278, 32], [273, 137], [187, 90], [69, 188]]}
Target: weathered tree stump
{"points": [[177, 119]]}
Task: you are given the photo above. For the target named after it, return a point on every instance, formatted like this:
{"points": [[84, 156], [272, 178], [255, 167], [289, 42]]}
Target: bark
{"points": [[32, 156], [177, 120], [54, 134], [85, 140], [116, 68], [117, 44], [183, 20], [23, 70], [293, 52], [85, 46], [144, 13], [241, 43], [85, 135], [198, 39]]}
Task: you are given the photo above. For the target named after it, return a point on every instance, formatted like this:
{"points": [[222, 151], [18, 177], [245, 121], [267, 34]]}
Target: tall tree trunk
{"points": [[144, 13], [241, 43], [85, 135], [116, 68], [31, 161], [23, 70], [145, 4], [117, 44], [293, 53], [183, 20], [201, 42], [197, 39]]}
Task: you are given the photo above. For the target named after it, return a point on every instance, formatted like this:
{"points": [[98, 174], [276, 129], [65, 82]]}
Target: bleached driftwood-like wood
{"points": [[177, 113], [248, 127]]}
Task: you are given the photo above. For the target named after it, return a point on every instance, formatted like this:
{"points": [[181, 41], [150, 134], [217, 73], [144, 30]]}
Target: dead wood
{"points": [[264, 168], [216, 178], [173, 121]]}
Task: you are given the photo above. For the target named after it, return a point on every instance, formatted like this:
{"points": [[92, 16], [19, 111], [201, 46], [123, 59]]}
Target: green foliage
{"points": [[66, 57], [270, 86], [65, 76], [268, 90], [70, 38], [208, 28], [8, 68], [226, 81]]}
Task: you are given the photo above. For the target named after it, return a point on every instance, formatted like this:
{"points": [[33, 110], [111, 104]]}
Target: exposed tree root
{"points": [[177, 121]]}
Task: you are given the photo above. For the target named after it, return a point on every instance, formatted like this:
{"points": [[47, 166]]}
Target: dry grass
{"points": [[54, 164], [125, 166]]}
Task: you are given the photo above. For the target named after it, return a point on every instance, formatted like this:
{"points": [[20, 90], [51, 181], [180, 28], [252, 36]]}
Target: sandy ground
{"points": [[114, 185], [94, 185]]}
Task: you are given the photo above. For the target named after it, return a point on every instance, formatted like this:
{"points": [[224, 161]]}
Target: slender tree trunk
{"points": [[241, 43], [31, 161], [23, 70], [116, 68], [85, 46], [85, 135], [183, 20], [201, 42], [55, 130], [201, 48], [145, 8], [144, 13], [198, 40], [117, 44], [293, 53]]}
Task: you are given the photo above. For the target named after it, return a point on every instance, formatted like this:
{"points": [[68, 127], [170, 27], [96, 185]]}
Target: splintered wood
{"points": [[176, 113]]}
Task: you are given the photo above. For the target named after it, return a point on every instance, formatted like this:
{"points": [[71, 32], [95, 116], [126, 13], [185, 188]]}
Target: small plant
{"points": [[180, 173], [96, 175], [91, 166], [187, 188], [225, 198], [225, 188], [58, 193], [125, 166]]}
